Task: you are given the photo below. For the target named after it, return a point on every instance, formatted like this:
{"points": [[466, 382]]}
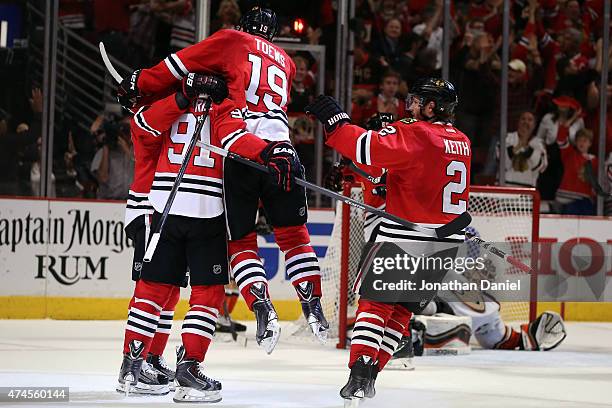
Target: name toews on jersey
{"points": [[259, 76]]}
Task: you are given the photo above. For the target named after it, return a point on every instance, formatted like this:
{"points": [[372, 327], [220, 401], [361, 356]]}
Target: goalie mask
{"points": [[259, 21], [440, 91]]}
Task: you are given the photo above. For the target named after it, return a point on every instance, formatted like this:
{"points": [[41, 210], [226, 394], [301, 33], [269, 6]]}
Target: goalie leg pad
{"points": [[446, 334], [544, 333], [201, 319]]}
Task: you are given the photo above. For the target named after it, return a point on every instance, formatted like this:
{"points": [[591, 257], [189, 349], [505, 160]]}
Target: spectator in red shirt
{"points": [[575, 194]]}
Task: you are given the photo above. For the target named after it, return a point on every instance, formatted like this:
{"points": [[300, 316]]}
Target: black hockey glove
{"points": [[283, 164], [380, 189], [196, 84], [335, 179], [128, 93], [328, 112], [379, 120]]}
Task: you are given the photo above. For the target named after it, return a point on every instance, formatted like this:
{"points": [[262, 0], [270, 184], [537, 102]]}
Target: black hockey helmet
{"points": [[259, 21], [440, 91]]}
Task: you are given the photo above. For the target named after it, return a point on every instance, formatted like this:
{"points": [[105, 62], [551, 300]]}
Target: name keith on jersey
{"points": [[270, 51], [456, 147]]}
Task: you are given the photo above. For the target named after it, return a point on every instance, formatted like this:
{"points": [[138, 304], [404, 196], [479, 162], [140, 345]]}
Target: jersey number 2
{"points": [[455, 187], [271, 74], [181, 133]]}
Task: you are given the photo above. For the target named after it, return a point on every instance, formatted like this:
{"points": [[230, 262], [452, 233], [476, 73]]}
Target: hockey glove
{"points": [[328, 112], [334, 179], [380, 189], [128, 93], [283, 164], [379, 120], [195, 85]]}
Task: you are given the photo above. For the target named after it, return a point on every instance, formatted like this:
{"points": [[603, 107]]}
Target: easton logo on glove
{"points": [[282, 162], [279, 150]]}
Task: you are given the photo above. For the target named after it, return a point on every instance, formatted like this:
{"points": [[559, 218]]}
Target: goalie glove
{"points": [[328, 112], [283, 164], [544, 333]]}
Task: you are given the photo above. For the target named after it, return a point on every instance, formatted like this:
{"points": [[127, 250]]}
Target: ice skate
{"points": [[138, 377], [313, 311], [191, 383], [402, 358], [268, 328], [359, 384], [159, 363]]}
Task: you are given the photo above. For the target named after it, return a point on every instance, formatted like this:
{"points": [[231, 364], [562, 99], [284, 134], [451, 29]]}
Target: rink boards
{"points": [[70, 259]]}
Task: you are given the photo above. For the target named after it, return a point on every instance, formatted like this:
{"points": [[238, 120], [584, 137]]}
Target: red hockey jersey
{"points": [[146, 153], [259, 76], [200, 192], [428, 170], [574, 183]]}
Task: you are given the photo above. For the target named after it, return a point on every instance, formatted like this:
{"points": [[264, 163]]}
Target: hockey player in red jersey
{"points": [[259, 76], [428, 163], [138, 215], [194, 237]]}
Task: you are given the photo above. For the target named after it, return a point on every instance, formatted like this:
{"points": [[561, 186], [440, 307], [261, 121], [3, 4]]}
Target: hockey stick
{"points": [[499, 253], [231, 322], [362, 173], [108, 65], [179, 177], [443, 231]]}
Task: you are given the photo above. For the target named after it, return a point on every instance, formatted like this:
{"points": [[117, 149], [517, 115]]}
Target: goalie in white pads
{"points": [[544, 333]]}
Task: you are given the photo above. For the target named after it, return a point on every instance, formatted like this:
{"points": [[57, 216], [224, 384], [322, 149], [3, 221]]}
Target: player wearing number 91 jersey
{"points": [[427, 161], [259, 76]]}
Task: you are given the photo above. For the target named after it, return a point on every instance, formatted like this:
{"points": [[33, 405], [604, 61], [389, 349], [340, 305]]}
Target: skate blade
{"points": [[352, 402], [188, 394], [269, 343], [319, 332], [400, 364], [143, 389]]}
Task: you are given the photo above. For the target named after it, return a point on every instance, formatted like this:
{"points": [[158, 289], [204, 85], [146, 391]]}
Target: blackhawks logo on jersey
{"points": [[408, 120]]}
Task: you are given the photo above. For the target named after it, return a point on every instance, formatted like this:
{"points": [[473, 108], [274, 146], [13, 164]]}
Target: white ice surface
{"points": [[86, 355]]}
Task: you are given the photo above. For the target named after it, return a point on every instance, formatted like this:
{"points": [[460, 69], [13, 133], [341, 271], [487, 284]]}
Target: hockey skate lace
{"points": [[204, 376], [162, 363], [148, 368]]}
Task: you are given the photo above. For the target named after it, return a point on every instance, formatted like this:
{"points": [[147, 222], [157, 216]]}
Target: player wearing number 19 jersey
{"points": [[427, 161], [259, 76]]}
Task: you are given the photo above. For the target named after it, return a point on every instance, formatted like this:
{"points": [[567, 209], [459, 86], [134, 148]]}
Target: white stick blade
{"points": [[151, 247]]}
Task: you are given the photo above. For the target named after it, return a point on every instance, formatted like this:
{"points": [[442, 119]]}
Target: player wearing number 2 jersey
{"points": [[259, 76], [427, 161]]}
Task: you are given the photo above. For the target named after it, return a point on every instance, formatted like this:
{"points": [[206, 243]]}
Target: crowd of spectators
{"points": [[553, 97], [555, 63]]}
